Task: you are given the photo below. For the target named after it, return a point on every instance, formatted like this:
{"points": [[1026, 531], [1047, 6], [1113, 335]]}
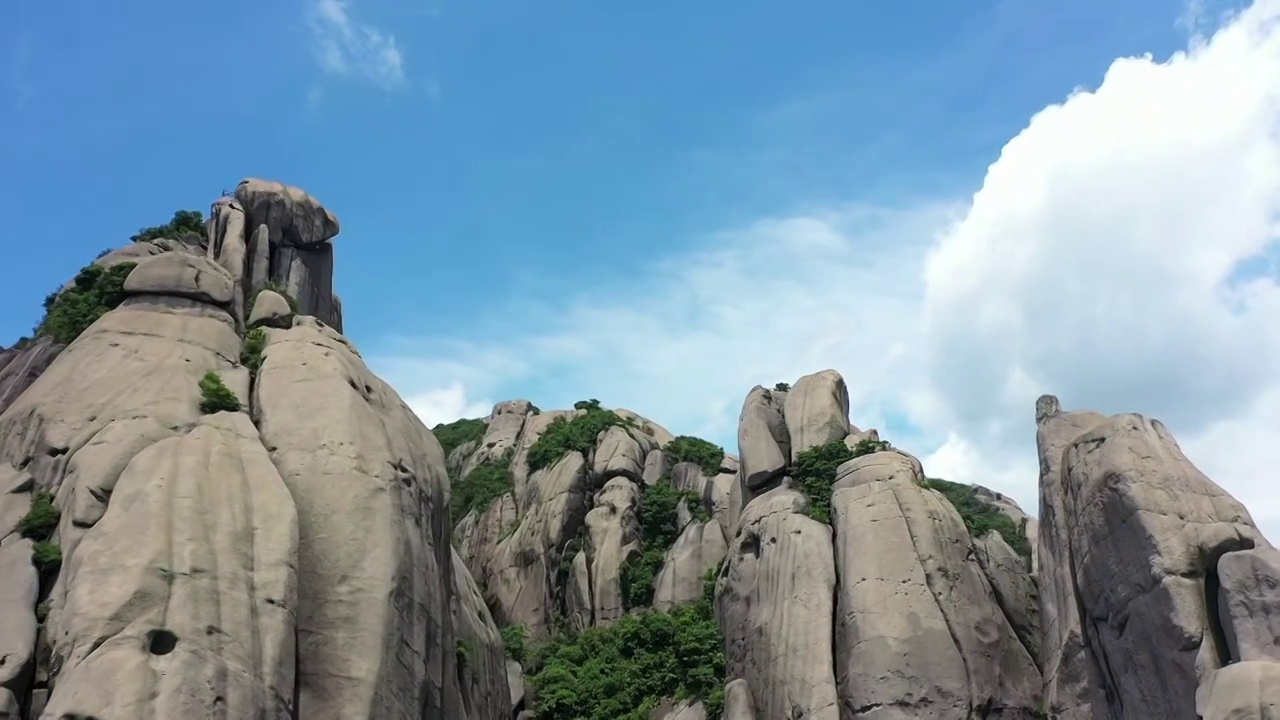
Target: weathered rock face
{"points": [[764, 446], [1145, 529], [1159, 594], [816, 411], [775, 604], [21, 365], [290, 559], [288, 235], [289, 553], [919, 631], [1072, 682]]}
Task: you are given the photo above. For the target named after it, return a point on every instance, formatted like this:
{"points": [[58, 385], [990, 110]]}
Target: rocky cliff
{"points": [[211, 508]]}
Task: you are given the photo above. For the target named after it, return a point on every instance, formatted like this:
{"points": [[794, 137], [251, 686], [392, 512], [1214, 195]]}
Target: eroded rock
{"points": [[775, 604], [816, 411]]}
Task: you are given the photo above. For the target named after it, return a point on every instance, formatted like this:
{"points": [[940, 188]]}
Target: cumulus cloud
{"points": [[349, 49], [1119, 254]]}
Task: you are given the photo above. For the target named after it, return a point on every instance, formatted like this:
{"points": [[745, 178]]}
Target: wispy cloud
{"points": [[350, 49]]}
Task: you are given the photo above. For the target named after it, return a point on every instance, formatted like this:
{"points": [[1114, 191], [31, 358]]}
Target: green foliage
{"points": [[486, 483], [706, 454], [980, 517], [659, 528], [462, 651], [42, 611], [46, 556], [216, 396], [623, 671], [782, 387], [514, 639], [94, 291], [815, 471], [565, 435], [255, 342], [42, 519], [459, 432], [696, 508], [183, 222]]}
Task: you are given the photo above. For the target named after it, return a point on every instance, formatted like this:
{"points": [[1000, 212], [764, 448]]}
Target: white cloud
{"points": [[350, 49], [1100, 261], [446, 404], [1116, 255]]}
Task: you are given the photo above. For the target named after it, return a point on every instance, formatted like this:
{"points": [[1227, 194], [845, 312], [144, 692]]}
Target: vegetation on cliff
{"points": [[255, 342], [686, 448], [215, 396], [95, 291], [183, 222], [42, 519], [459, 432], [980, 517], [815, 471], [621, 672], [486, 483], [579, 433], [659, 528]]}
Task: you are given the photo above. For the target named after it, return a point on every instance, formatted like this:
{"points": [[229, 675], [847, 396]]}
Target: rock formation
{"points": [[285, 554], [211, 508]]}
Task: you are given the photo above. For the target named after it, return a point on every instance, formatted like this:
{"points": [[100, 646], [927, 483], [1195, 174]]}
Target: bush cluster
{"points": [[782, 387], [566, 435], [815, 471], [255, 342], [484, 484], [42, 519], [623, 671], [183, 222], [980, 517], [706, 454], [659, 528], [215, 396], [94, 292], [46, 556], [459, 432], [514, 639]]}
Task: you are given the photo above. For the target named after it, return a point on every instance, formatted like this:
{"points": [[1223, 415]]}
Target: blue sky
{"points": [[576, 199]]}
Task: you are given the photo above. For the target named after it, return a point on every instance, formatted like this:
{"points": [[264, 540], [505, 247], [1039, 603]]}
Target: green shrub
{"points": [[486, 483], [706, 454], [565, 435], [459, 432], [815, 471], [94, 292], [46, 556], [42, 519], [659, 528], [462, 651], [623, 671], [980, 517], [42, 611], [183, 222], [514, 639], [782, 387], [215, 396], [696, 508], [255, 342]]}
